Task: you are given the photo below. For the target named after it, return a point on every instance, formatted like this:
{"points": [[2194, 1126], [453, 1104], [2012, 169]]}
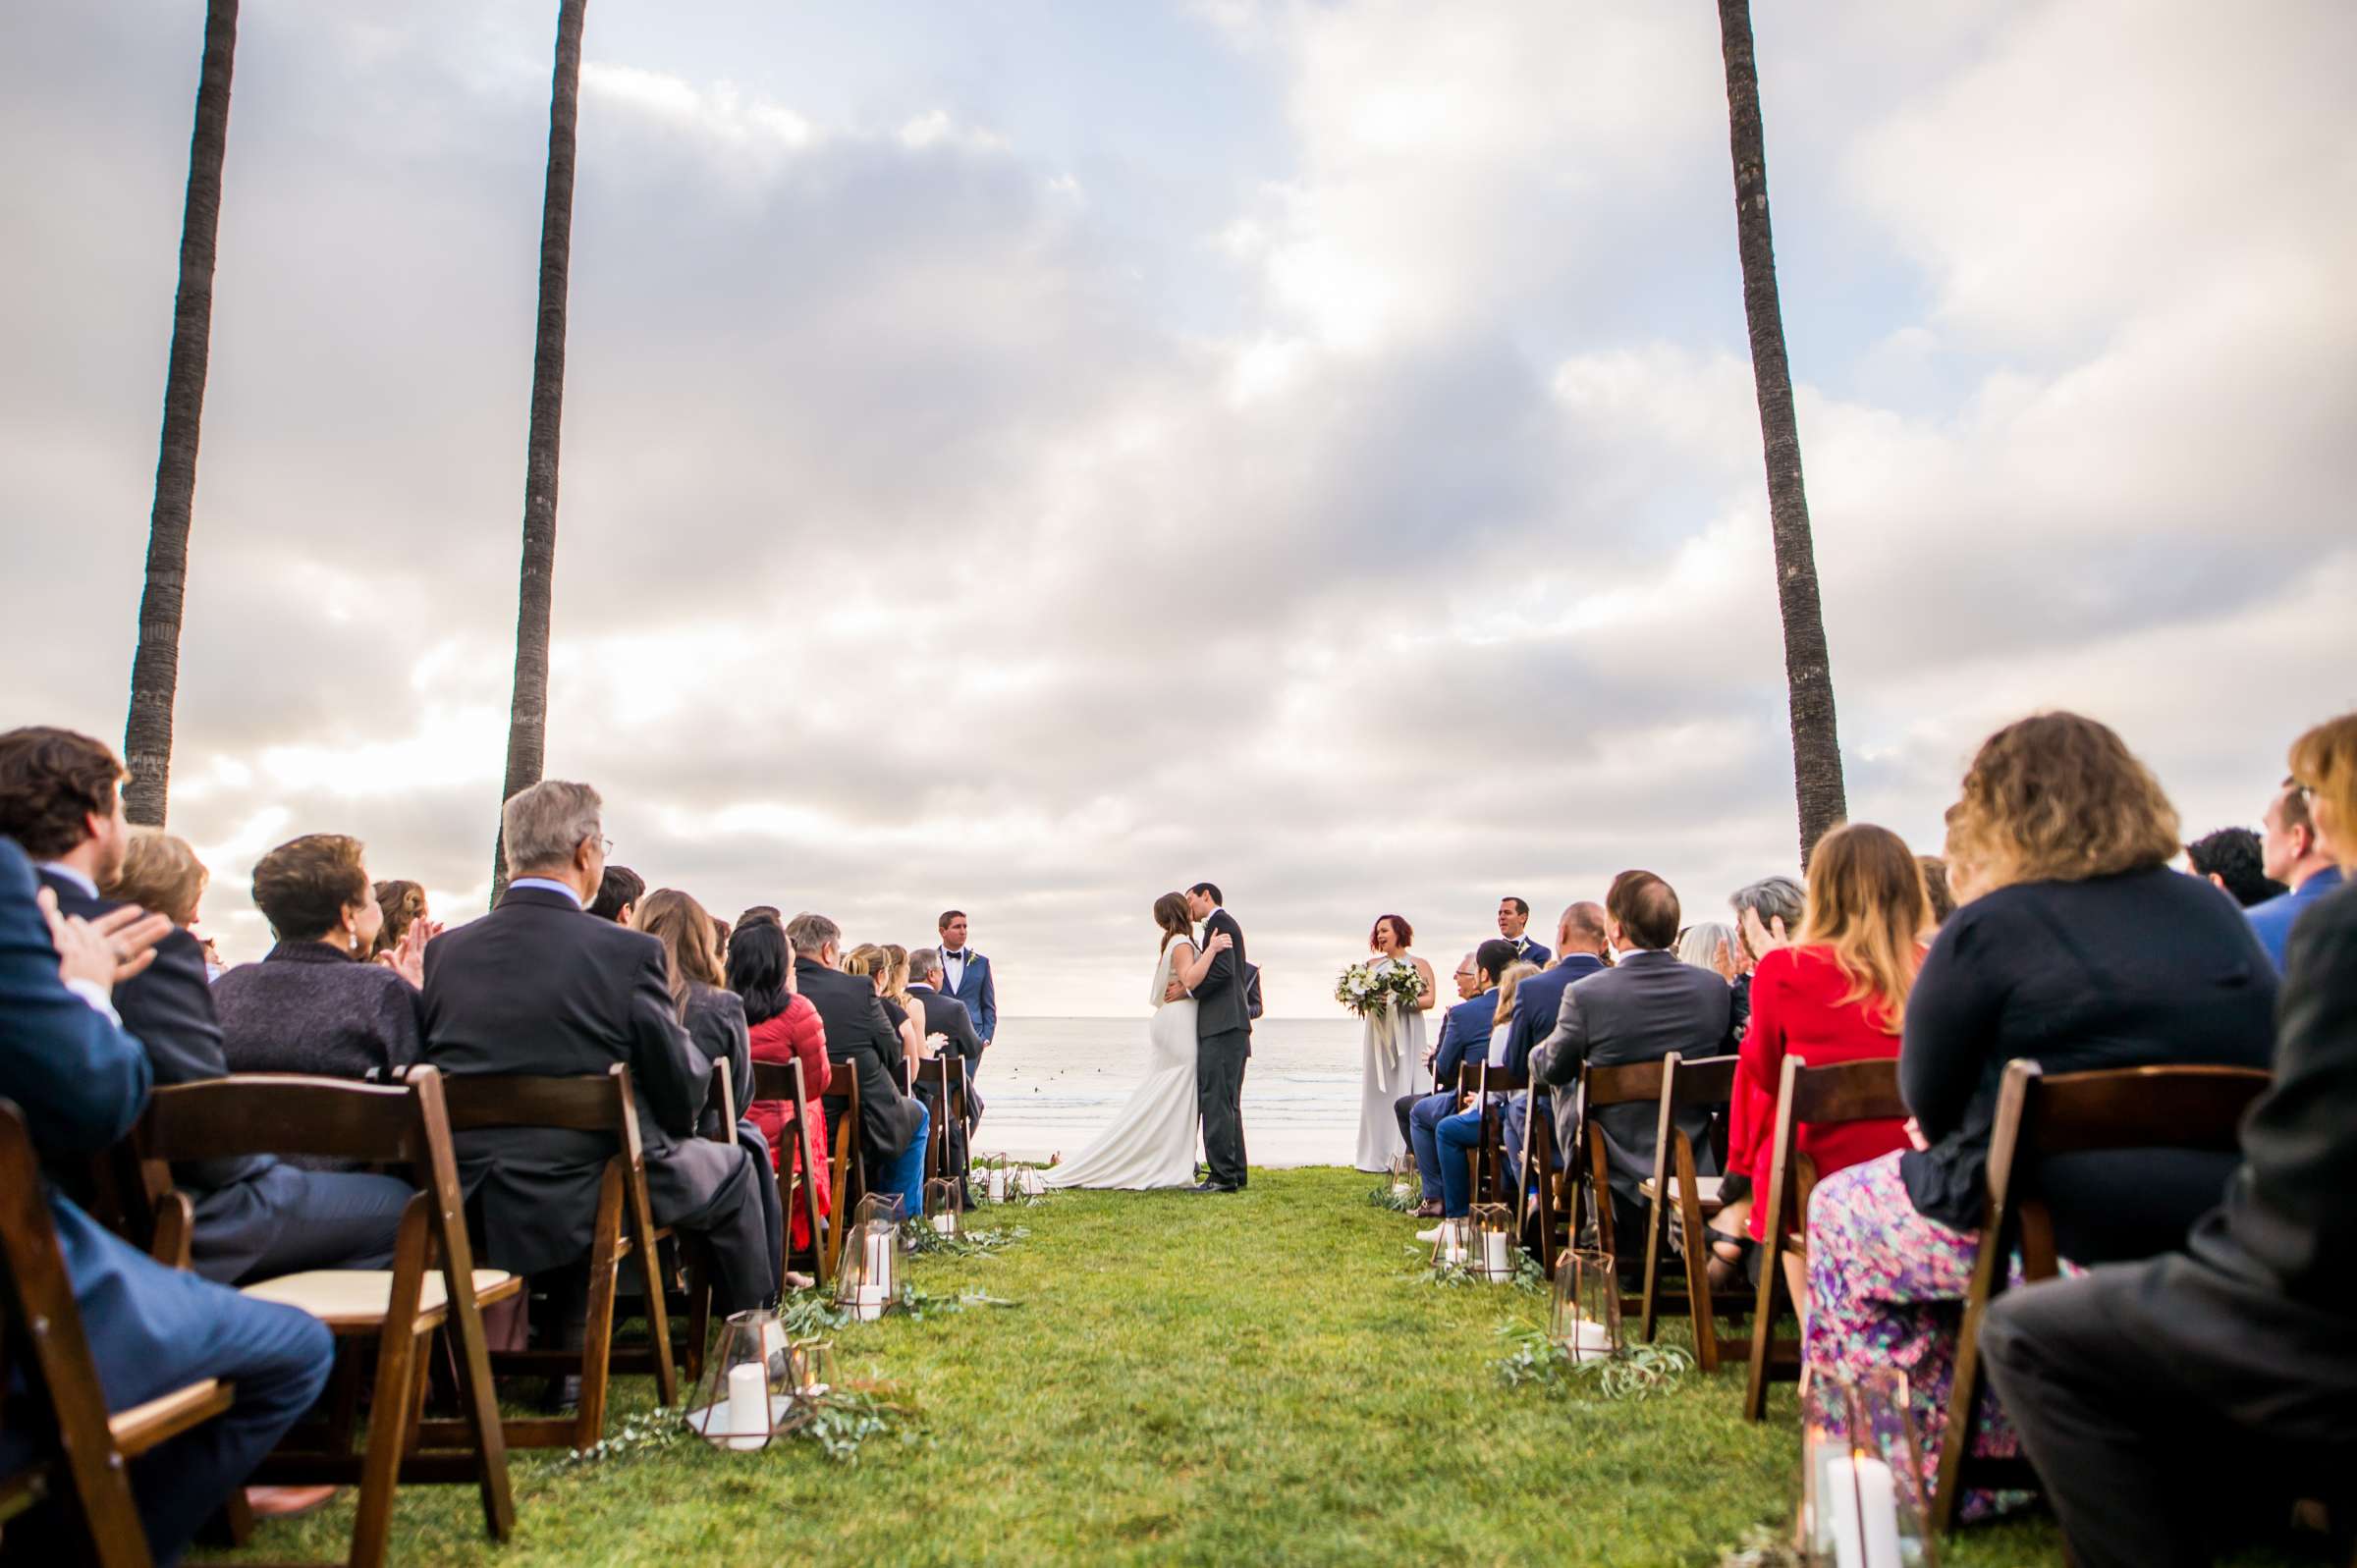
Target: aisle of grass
{"points": [[1261, 1378]]}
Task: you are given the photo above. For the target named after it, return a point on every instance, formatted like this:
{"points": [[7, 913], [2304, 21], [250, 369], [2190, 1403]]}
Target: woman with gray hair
{"points": [[1711, 945]]}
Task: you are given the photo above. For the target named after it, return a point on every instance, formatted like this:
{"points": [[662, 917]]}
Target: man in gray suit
{"points": [[1641, 1011]]}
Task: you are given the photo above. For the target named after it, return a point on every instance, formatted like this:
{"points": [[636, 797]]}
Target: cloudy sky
{"points": [[1032, 457]]}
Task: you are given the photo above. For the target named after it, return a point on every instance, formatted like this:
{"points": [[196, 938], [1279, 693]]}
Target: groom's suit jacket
{"points": [[1221, 993], [980, 994]]}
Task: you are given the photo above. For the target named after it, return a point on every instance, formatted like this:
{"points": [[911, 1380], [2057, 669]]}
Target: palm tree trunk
{"points": [[1808, 674], [155, 666], [527, 711]]}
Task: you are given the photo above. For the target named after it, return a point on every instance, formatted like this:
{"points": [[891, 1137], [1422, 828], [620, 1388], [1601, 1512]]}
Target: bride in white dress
{"points": [[1151, 1142], [1394, 1050]]}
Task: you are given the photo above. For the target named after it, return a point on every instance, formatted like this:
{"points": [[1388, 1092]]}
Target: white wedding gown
{"points": [[1392, 1048], [1151, 1142]]}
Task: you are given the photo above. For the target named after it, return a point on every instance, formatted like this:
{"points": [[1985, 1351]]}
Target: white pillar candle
{"points": [[879, 1259], [748, 1406], [1588, 1340], [867, 1304], [1858, 1508], [1495, 1256], [1456, 1239], [945, 1224], [998, 1186]]}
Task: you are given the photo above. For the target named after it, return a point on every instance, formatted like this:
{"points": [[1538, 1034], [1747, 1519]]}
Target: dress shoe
{"points": [[1214, 1186]]}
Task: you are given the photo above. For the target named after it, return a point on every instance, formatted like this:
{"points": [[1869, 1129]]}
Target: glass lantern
{"points": [[749, 1385], [1586, 1320], [1454, 1247], [944, 1206], [1494, 1242], [994, 1176], [1404, 1187], [868, 1279], [1862, 1484], [813, 1367]]}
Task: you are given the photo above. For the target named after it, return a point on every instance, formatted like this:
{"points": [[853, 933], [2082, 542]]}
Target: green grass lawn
{"points": [[1262, 1379]]}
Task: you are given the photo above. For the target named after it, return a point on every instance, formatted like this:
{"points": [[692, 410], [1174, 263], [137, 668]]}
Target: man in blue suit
{"points": [[1464, 1037], [965, 975], [1513, 924], [2293, 853], [1579, 937], [80, 1082]]}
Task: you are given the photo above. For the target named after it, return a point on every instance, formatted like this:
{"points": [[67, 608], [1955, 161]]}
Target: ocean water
{"points": [[1049, 1085]]}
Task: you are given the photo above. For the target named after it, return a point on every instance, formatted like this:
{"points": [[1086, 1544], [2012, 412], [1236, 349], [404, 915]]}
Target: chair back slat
{"points": [[1848, 1091], [723, 1097], [1701, 1081], [1621, 1084], [282, 1113], [2136, 1108], [584, 1103], [777, 1080]]}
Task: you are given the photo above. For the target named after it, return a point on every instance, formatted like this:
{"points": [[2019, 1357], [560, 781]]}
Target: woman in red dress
{"points": [[785, 1027], [1836, 993]]}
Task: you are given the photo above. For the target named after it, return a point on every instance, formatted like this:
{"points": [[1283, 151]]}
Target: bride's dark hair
{"points": [[1170, 913]]}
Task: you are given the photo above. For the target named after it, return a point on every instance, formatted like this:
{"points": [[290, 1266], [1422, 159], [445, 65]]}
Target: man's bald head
{"points": [[1644, 908], [1581, 929]]}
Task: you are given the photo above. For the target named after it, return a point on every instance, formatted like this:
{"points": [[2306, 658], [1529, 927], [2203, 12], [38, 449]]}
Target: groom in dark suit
{"points": [[1223, 1041]]}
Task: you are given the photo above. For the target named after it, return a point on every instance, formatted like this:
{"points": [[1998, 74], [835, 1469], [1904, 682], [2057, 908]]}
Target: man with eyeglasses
{"points": [[2293, 855], [532, 987]]}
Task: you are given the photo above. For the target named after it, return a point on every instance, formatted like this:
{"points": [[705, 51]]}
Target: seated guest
{"points": [[944, 1018], [532, 988], [1709, 944], [2229, 860], [2078, 949], [1767, 913], [761, 913], [160, 874], [716, 1028], [1464, 1037], [893, 1126], [2172, 1403], [311, 1005], [1936, 889], [1836, 993], [1513, 925], [80, 1082], [403, 905], [618, 890], [872, 962], [1458, 1135], [784, 1028], [257, 1217], [2294, 854], [1582, 949], [1642, 1009]]}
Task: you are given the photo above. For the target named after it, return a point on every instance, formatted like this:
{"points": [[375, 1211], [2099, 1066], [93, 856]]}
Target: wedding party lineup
{"points": [[1172, 831]]}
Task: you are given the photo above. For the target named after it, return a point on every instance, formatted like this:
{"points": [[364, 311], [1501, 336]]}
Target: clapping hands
{"points": [[407, 957], [107, 951]]}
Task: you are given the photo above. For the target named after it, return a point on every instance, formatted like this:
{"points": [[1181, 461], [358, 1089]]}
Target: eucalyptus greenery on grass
{"points": [[1388, 1195], [1191, 1380], [970, 1242]]}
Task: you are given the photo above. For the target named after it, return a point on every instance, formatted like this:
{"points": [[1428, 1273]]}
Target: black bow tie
{"points": [[959, 956]]}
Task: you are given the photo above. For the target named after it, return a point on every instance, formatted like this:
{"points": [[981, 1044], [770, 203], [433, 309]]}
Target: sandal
{"points": [[1729, 1265]]}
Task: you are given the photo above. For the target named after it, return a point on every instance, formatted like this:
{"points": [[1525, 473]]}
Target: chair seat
{"points": [[360, 1298], [167, 1416], [1706, 1190]]}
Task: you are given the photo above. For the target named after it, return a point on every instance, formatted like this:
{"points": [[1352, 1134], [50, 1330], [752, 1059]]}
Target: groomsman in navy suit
{"points": [[1513, 919], [80, 1082], [965, 975]]}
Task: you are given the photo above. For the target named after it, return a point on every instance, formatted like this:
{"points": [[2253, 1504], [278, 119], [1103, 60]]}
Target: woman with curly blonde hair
{"points": [[2073, 944]]}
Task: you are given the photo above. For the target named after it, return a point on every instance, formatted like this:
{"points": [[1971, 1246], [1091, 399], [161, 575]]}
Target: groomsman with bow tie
{"points": [[1514, 916], [965, 975]]}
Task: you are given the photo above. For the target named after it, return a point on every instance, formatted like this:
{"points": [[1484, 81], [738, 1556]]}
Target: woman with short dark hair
{"points": [[314, 1004]]}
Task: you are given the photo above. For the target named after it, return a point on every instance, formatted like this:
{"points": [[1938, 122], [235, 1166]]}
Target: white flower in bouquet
{"points": [[1360, 989]]}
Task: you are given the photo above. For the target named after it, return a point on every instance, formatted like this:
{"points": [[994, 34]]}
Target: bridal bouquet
{"points": [[1369, 993]]}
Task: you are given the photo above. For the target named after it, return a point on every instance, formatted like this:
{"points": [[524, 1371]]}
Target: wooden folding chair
{"points": [[2037, 1118], [1494, 1176], [1630, 1083], [1545, 1201], [1708, 1082], [1805, 1096], [433, 1287], [623, 1227], [848, 1183], [947, 1074], [784, 1080], [41, 1340]]}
